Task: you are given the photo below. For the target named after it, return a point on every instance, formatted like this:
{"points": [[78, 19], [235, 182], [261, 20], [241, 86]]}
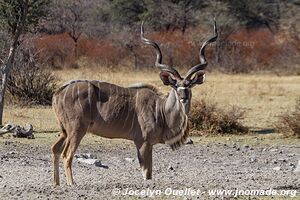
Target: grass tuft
{"points": [[289, 122], [208, 118]]}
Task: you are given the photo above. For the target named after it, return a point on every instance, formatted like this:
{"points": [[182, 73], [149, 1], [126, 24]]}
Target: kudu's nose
{"points": [[183, 100]]}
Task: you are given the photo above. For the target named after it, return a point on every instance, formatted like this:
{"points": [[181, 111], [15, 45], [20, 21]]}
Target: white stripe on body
{"points": [[89, 97], [66, 91], [78, 93]]}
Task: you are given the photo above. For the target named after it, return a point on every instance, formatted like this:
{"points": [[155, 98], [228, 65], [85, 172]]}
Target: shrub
{"points": [[246, 50], [57, 51], [210, 119], [289, 122], [30, 84], [103, 52]]}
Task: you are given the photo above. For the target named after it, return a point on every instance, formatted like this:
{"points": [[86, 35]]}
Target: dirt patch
{"points": [[26, 170]]}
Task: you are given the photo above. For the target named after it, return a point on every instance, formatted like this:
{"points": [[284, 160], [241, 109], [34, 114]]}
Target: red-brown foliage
{"points": [[103, 52], [257, 49], [243, 51], [259, 44], [56, 50]]}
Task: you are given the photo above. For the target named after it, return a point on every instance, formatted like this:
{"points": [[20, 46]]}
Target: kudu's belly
{"points": [[110, 132], [114, 128]]}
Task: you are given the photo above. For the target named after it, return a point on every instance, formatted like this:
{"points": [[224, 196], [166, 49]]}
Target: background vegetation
{"points": [[254, 35]]}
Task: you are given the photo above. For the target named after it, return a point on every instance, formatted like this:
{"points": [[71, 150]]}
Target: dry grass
{"points": [[208, 118], [263, 97], [289, 122], [41, 117]]}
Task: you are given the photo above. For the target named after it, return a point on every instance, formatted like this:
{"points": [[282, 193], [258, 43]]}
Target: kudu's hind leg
{"points": [[57, 148], [144, 151], [71, 144]]}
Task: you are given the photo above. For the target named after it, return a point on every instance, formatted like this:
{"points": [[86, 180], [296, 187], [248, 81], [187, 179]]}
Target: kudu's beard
{"points": [[181, 139], [185, 128]]}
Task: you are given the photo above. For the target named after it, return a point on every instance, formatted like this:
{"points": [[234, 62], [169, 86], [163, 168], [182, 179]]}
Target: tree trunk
{"points": [[75, 50], [6, 68], [218, 52], [2, 92], [4, 75]]}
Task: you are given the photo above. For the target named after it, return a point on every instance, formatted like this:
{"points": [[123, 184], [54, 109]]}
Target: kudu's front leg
{"points": [[144, 151]]}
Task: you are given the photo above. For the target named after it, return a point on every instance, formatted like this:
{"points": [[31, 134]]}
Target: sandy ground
{"points": [[26, 170]]}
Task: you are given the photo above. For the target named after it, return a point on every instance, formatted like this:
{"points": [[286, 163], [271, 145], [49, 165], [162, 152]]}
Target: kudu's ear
{"points": [[198, 78], [167, 78]]}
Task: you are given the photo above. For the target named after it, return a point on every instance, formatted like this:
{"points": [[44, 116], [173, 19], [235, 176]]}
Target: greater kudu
{"points": [[138, 113]]}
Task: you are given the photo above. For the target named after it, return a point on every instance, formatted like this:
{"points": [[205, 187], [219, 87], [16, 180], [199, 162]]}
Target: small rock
{"points": [[7, 142], [11, 153], [251, 148], [99, 164], [291, 155], [253, 160], [297, 167], [246, 146], [129, 159], [90, 161], [90, 156], [237, 149], [282, 160], [291, 164], [277, 168], [189, 141], [204, 161], [170, 168], [86, 156]]}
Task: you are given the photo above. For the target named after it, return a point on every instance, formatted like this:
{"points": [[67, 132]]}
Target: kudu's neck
{"points": [[173, 102], [174, 110]]}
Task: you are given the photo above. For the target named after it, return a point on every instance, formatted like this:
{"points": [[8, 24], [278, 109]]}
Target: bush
{"points": [[30, 84], [57, 51], [208, 118], [289, 122]]}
